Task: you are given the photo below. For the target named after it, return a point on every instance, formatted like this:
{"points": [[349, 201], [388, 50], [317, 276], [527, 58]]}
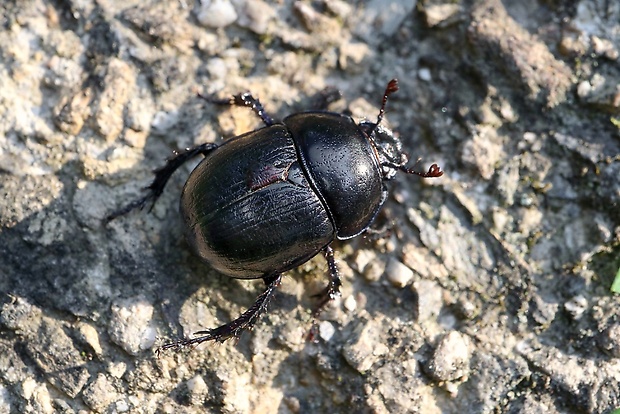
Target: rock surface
{"points": [[486, 290]]}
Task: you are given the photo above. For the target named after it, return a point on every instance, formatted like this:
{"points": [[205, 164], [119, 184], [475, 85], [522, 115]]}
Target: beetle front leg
{"points": [[235, 328], [162, 175]]}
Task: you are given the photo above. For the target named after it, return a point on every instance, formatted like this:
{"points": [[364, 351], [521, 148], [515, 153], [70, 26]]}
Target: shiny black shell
{"points": [[269, 200]]}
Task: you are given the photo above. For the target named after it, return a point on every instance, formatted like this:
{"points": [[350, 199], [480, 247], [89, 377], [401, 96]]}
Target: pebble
{"points": [[363, 349], [450, 361], [198, 389], [255, 15], [374, 271], [129, 325], [576, 306], [99, 394], [215, 13], [326, 330], [89, 335], [350, 304], [425, 74], [362, 258], [441, 14], [398, 274]]}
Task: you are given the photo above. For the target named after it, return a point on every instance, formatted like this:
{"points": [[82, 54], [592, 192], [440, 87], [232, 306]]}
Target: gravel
{"points": [[486, 290]]}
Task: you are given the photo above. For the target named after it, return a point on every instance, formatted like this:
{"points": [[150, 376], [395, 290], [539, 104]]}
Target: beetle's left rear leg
{"points": [[162, 175], [332, 291], [235, 328]]}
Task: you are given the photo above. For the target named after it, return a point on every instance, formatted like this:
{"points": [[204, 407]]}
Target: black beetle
{"points": [[269, 200]]}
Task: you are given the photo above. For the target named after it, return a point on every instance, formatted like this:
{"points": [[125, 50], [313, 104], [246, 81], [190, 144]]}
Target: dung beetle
{"points": [[269, 200]]}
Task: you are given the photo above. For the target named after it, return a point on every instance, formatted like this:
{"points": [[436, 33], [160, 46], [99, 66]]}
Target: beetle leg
{"points": [[235, 328], [162, 175], [243, 99], [332, 291]]}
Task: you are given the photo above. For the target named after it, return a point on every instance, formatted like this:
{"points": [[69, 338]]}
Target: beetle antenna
{"points": [[391, 87], [434, 170]]}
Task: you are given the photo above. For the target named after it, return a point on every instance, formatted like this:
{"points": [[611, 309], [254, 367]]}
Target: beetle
{"points": [[271, 199]]}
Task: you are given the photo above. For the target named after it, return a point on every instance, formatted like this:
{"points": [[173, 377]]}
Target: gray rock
{"points": [[130, 325], [451, 359]]}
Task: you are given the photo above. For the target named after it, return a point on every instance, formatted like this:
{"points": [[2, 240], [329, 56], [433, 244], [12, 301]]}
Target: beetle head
{"points": [[388, 148]]}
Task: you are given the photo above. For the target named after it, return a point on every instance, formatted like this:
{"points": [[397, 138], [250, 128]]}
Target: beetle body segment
{"points": [[249, 209], [343, 167]]}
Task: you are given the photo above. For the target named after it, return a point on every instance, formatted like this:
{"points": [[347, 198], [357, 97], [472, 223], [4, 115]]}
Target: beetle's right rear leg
{"points": [[234, 328], [162, 175], [243, 99], [331, 291]]}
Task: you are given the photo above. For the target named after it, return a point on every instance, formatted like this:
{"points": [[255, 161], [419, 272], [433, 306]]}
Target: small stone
{"points": [[41, 401], [217, 68], [130, 325], [254, 15], [293, 404], [326, 330], [163, 121], [27, 388], [119, 85], [350, 303], [543, 312], [19, 314], [363, 348], [441, 14], [374, 271], [117, 369], [398, 274], [450, 362], [197, 389], [122, 406], [100, 394], [215, 13], [576, 306], [362, 258], [604, 47], [89, 335], [583, 89], [501, 219], [340, 8], [425, 74], [573, 44]]}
